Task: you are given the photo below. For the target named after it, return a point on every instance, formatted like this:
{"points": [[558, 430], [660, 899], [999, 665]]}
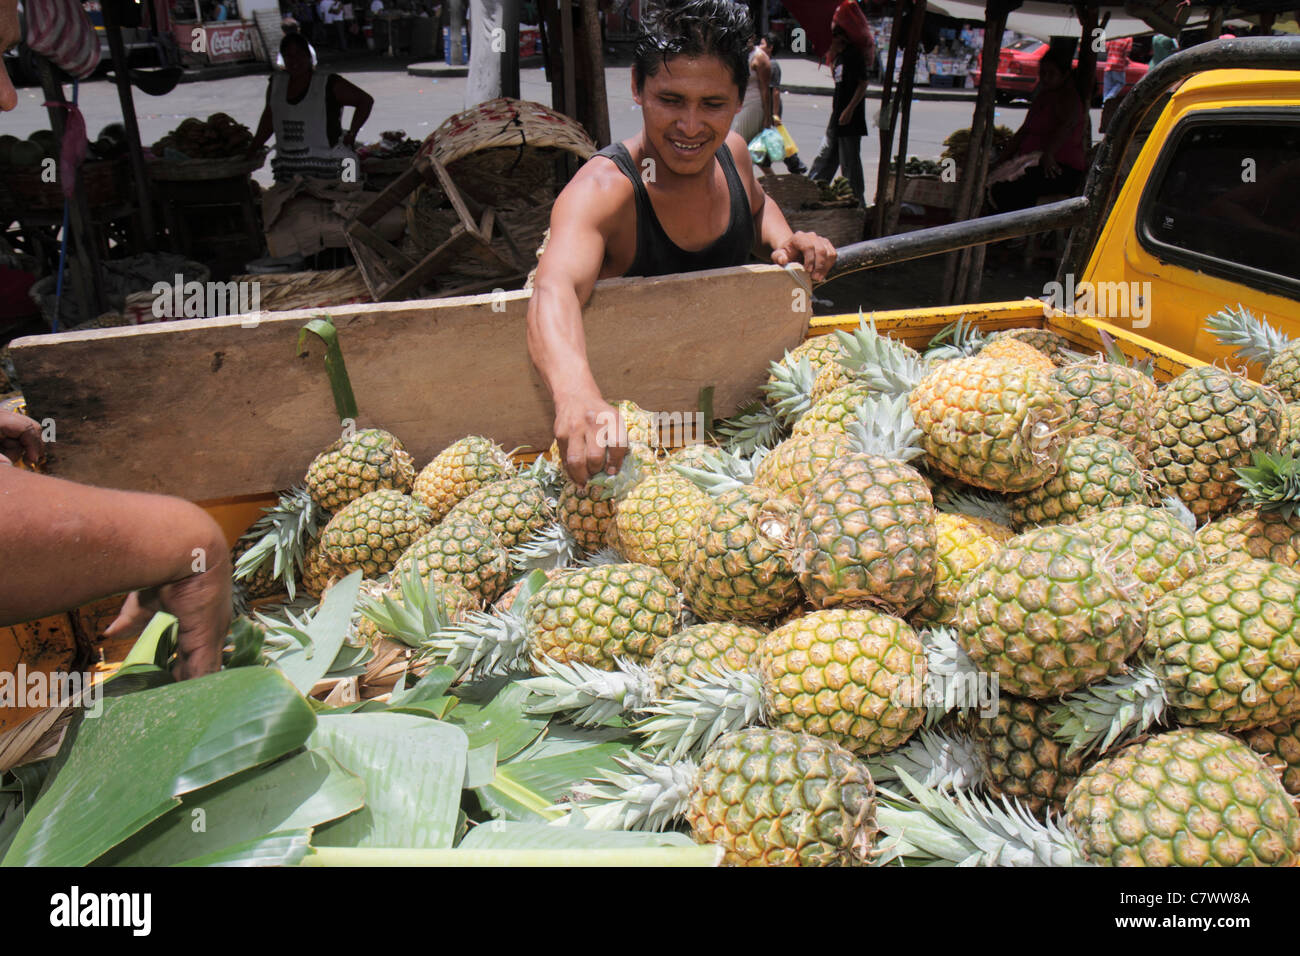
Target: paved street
{"points": [[418, 104]]}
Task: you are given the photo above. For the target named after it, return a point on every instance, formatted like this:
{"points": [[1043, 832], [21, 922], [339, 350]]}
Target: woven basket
{"points": [[789, 191], [283, 291], [840, 226], [505, 154], [21, 187], [193, 170]]}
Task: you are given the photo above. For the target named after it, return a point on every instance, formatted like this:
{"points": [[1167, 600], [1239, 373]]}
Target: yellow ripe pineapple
{"points": [[1019, 353], [963, 543], [458, 471], [832, 412], [656, 520], [792, 465], [372, 532]]}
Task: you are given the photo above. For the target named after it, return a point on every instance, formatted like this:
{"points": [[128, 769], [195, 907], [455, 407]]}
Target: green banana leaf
{"points": [[431, 685], [129, 766], [528, 790], [504, 835], [297, 793], [328, 628], [638, 856], [285, 848], [412, 767], [501, 721]]}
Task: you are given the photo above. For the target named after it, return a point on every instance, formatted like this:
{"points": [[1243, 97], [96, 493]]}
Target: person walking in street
{"points": [[842, 145], [756, 109], [1117, 59], [1162, 48], [769, 45]]}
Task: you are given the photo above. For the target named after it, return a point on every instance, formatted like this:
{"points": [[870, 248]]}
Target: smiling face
{"points": [[687, 109]]}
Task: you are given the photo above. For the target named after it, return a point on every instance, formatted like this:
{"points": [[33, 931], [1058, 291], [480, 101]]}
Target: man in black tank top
{"points": [[680, 196]]}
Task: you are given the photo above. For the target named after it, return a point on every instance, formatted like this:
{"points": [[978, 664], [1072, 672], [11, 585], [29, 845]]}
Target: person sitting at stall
{"points": [[304, 108], [678, 196], [1046, 155]]}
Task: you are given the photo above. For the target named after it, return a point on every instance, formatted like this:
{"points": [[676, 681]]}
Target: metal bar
{"points": [[960, 235], [888, 111], [122, 75], [906, 82], [1258, 53]]}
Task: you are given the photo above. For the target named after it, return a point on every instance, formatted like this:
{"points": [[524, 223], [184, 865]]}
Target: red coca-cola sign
{"points": [[219, 42]]}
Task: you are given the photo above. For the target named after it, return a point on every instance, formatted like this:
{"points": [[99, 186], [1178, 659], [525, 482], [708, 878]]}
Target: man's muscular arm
{"points": [[586, 426]]}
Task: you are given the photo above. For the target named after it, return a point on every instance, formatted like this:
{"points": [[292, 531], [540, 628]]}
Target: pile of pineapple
{"points": [[996, 603]]}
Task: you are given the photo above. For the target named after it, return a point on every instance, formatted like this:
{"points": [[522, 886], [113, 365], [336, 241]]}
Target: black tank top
{"points": [[656, 254]]}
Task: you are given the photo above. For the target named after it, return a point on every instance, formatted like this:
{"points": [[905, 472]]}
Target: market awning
{"points": [[1044, 20]]}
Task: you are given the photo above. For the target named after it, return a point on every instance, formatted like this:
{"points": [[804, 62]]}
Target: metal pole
{"points": [[906, 82], [124, 95], [888, 112], [510, 58]]}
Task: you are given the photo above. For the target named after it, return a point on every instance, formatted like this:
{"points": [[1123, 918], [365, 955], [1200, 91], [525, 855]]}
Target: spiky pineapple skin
{"points": [[1226, 646], [1283, 373], [833, 411], [792, 465], [819, 350], [962, 543], [698, 650], [830, 378], [1008, 349], [514, 509], [772, 798], [317, 573], [990, 423], [1154, 544], [595, 615], [866, 534], [738, 565], [1110, 400], [1206, 423], [372, 532], [1096, 473], [459, 470], [369, 460], [1279, 745], [463, 550], [849, 675], [1052, 344], [1049, 613], [1252, 534], [657, 520], [1290, 436], [588, 514], [1022, 758], [1184, 798]]}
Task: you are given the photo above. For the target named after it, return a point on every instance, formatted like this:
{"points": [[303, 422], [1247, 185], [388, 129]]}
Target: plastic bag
{"points": [[790, 147], [767, 147]]}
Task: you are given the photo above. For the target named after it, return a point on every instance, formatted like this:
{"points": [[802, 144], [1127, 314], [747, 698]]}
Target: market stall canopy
{"points": [[1037, 18]]}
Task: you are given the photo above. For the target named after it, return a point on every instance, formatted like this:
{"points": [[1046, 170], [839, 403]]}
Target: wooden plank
{"points": [[386, 250], [395, 193], [428, 267], [212, 408]]}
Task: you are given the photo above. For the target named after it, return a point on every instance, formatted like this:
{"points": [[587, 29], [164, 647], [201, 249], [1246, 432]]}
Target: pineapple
{"points": [[369, 460], [1183, 798], [1050, 612], [1221, 652], [372, 532], [866, 532], [1052, 344], [833, 411], [597, 615], [1290, 439], [738, 565], [848, 675], [1096, 474], [790, 467], [587, 513], [1017, 352], [1206, 424], [657, 518], [271, 554], [410, 610], [962, 543], [1021, 757], [1154, 543], [1110, 400], [1270, 529], [259, 582], [1257, 341], [463, 550], [1279, 745], [458, 471], [514, 509], [317, 572], [765, 797]]}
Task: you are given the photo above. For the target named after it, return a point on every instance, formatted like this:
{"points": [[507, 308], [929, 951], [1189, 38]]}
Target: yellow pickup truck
{"points": [[1181, 216]]}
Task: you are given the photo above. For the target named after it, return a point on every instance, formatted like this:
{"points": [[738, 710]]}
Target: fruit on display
{"points": [[354, 465], [217, 137], [458, 471], [1257, 341], [1010, 349], [513, 509], [463, 550], [1110, 400], [1156, 544], [833, 411], [790, 467], [1022, 757], [372, 532], [962, 543], [1279, 745], [655, 520], [1096, 474]]}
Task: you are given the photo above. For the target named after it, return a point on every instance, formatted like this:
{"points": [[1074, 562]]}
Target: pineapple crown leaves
{"points": [[604, 486], [419, 616], [883, 425], [957, 340], [283, 632], [940, 761], [1116, 356], [755, 426], [950, 668], [977, 504], [1273, 482], [1111, 712], [698, 711], [489, 644], [722, 470], [550, 548], [597, 558], [788, 392], [282, 536], [964, 829], [544, 472], [884, 364], [586, 695], [1180, 512], [647, 796], [1253, 339]]}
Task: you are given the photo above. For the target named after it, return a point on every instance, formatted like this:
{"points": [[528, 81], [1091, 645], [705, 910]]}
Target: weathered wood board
{"points": [[215, 408]]}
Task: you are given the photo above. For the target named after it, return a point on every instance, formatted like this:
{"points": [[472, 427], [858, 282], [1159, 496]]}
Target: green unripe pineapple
{"points": [[369, 460], [371, 533]]}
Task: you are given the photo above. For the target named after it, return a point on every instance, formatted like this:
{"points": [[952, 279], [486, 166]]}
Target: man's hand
{"points": [[814, 252], [201, 605], [20, 438], [846, 116], [590, 434]]}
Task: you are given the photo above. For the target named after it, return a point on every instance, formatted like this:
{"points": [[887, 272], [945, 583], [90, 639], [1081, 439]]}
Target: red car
{"points": [[1018, 69]]}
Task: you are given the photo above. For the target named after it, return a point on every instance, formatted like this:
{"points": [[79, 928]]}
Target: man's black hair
{"points": [[694, 28], [773, 41], [292, 40]]}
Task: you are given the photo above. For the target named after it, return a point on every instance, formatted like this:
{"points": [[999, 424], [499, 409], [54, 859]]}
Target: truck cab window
{"points": [[1227, 200]]}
